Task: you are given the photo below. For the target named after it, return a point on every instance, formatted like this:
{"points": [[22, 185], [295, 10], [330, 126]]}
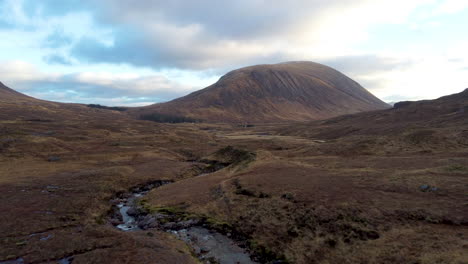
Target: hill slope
{"points": [[349, 188], [293, 91], [8, 95], [429, 126], [22, 107], [447, 112]]}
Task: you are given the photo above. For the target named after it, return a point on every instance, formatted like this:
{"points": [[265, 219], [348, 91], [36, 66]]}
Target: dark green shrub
{"points": [[114, 108], [164, 118]]}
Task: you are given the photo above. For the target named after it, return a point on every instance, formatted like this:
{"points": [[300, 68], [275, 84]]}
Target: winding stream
{"points": [[128, 222], [209, 246]]}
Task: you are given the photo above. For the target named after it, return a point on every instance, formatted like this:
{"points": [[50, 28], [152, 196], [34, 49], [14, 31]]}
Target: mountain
{"points": [[291, 91], [23, 107]]}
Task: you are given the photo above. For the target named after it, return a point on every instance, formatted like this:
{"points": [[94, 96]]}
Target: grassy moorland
{"points": [[376, 187]]}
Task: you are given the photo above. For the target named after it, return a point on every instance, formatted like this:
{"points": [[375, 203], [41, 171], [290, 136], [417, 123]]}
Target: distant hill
{"points": [[292, 91], [15, 105], [10, 95], [448, 115]]}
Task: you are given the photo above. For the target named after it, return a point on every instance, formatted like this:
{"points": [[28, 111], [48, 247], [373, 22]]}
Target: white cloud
{"points": [[451, 6], [21, 71], [424, 78], [217, 36], [195, 35], [27, 78]]}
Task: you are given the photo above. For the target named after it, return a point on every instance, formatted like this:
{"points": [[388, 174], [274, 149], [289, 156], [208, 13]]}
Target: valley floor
{"points": [[287, 197]]}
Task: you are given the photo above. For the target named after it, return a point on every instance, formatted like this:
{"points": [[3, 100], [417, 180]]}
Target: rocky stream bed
{"points": [[210, 246]]}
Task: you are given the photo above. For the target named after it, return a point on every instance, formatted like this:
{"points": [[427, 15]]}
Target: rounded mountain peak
{"points": [[290, 91]]}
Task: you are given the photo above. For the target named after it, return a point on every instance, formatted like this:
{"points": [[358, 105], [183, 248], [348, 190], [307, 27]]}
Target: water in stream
{"points": [[210, 246], [129, 222]]}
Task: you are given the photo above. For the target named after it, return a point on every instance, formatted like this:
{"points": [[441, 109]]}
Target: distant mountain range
{"points": [[294, 91]]}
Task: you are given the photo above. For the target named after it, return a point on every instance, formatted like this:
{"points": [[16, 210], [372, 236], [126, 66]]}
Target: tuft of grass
{"points": [[455, 168], [265, 254], [113, 108], [164, 118], [288, 196], [145, 206], [21, 243], [100, 220], [169, 210], [240, 190], [245, 192], [235, 156], [218, 225], [421, 136]]}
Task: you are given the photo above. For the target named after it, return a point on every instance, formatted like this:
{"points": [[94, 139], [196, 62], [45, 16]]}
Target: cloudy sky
{"points": [[127, 52]]}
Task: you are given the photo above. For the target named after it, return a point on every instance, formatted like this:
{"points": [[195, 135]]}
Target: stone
{"points": [[428, 188], [170, 225], [115, 222], [148, 222], [424, 188], [53, 159], [188, 223], [132, 211]]}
